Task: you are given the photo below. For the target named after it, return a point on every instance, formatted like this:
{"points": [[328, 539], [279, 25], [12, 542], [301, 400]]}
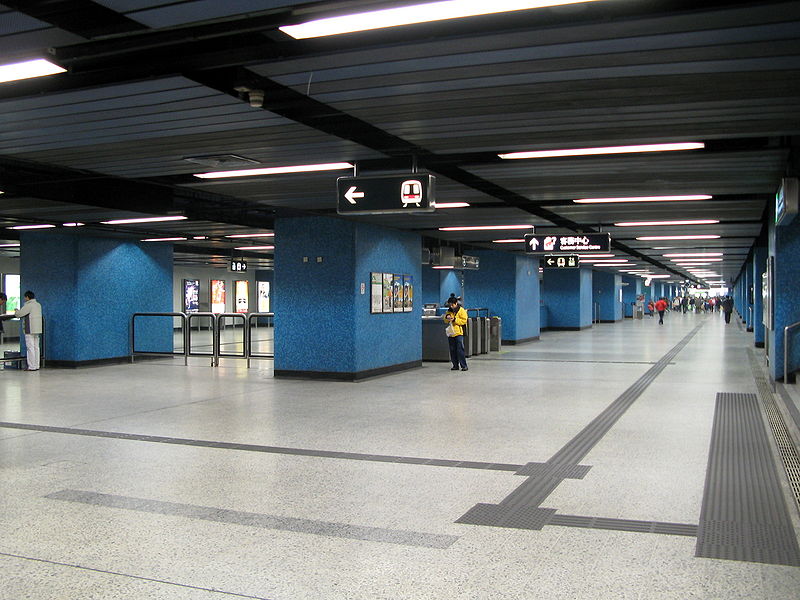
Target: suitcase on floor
{"points": [[12, 364]]}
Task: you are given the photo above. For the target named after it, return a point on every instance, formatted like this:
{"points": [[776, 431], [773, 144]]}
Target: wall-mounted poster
{"points": [[263, 296], [397, 293], [191, 295], [387, 292], [376, 292], [242, 292], [11, 288], [408, 293], [217, 296]]}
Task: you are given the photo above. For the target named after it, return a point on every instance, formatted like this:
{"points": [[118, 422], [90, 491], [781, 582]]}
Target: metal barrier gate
{"points": [[217, 321]]}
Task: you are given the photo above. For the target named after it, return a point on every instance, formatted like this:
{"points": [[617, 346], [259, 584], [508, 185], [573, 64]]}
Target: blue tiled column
{"points": [[431, 286], [784, 246], [749, 292], [629, 293], [759, 266], [606, 293], [323, 325], [567, 295], [508, 285], [90, 287]]}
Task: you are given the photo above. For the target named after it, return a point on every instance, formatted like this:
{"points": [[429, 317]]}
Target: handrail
{"points": [[250, 317], [217, 343], [184, 321], [214, 334], [786, 350], [477, 311]]}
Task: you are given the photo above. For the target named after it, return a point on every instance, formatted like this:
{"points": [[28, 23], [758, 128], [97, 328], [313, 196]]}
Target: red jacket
{"points": [[661, 305]]}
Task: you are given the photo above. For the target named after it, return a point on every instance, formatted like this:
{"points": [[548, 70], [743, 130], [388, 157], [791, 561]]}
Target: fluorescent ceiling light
{"points": [[75, 224], [678, 237], [642, 199], [656, 276], [444, 267], [689, 254], [250, 235], [275, 170], [200, 237], [692, 264], [172, 239], [256, 248], [485, 227], [596, 255], [604, 261], [694, 261], [410, 15], [452, 204], [31, 227], [10, 245], [606, 150], [143, 220], [509, 241], [658, 223], [28, 69]]}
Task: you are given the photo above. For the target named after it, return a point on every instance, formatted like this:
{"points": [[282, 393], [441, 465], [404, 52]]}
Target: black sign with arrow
{"points": [[409, 193], [561, 261], [573, 242]]}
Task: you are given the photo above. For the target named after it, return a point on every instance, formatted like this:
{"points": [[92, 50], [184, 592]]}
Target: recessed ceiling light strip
{"points": [[602, 151]]}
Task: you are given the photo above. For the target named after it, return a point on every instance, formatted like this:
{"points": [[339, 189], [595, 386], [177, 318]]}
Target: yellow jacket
{"points": [[459, 321]]}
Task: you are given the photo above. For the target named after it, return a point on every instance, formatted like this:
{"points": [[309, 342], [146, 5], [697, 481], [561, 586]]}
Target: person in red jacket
{"points": [[661, 306]]}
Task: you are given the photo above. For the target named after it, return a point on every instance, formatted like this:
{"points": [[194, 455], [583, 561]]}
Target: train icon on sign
{"points": [[411, 192]]}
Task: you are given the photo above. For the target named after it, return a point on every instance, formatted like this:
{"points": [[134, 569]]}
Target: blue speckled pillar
{"points": [[451, 282], [508, 285], [784, 245], [323, 325], [749, 292], [567, 295], [606, 293], [759, 266], [431, 280], [90, 287], [629, 293]]}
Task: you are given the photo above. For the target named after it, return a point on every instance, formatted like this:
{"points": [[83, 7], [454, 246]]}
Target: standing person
{"points": [[3, 300], [685, 304], [32, 313], [456, 317], [661, 306], [727, 308], [650, 308]]}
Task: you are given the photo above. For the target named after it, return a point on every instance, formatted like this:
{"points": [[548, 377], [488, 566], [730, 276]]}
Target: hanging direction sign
{"points": [[409, 193], [561, 261], [574, 242]]}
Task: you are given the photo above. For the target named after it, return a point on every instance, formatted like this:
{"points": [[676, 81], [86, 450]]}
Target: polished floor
{"points": [[160, 481]]}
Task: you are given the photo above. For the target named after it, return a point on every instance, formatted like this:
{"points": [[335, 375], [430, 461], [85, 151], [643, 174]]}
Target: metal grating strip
{"points": [[684, 529], [787, 449], [744, 515]]}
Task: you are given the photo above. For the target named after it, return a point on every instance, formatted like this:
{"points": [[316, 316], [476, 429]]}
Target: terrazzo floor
{"points": [[156, 480]]}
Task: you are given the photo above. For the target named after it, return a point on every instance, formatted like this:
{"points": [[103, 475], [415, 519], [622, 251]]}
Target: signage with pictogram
{"points": [[409, 193], [573, 242]]}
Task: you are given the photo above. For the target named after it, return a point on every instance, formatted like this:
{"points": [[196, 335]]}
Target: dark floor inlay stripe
{"points": [[520, 509], [744, 514], [248, 519], [409, 460]]}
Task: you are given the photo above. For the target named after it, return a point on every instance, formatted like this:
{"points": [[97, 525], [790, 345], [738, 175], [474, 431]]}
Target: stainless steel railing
{"points": [[184, 329], [786, 345]]}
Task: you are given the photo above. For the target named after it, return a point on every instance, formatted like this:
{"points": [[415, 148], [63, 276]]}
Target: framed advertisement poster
{"points": [[408, 293], [387, 292], [191, 295], [263, 296], [11, 288], [397, 293], [241, 292], [217, 296], [376, 293]]}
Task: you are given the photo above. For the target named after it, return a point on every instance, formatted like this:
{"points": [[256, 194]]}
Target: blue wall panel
{"points": [[785, 247], [431, 282], [606, 288], [759, 266], [629, 293], [90, 287], [567, 294]]}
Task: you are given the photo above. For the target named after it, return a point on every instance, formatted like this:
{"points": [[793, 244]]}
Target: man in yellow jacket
{"points": [[456, 317]]}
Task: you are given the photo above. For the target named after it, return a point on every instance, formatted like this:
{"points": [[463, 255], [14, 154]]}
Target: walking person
{"points": [[727, 308], [661, 306], [456, 319], [31, 312]]}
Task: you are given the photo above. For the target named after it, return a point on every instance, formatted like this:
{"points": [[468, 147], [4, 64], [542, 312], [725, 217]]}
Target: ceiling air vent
{"points": [[222, 160]]}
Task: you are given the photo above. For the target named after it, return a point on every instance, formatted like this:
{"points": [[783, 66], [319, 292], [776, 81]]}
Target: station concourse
{"points": [[243, 228]]}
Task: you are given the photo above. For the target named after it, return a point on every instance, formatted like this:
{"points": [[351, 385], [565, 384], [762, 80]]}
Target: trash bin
{"points": [[495, 334]]}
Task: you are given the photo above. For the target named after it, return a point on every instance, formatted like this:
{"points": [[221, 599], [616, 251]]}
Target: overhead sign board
{"points": [[786, 201], [574, 242], [237, 266], [410, 193], [561, 261]]}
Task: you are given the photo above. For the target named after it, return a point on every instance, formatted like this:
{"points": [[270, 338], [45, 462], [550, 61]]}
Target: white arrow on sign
{"points": [[352, 194], [533, 243], [550, 261]]}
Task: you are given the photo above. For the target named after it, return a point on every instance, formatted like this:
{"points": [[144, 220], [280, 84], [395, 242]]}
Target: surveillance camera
{"points": [[256, 98]]}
